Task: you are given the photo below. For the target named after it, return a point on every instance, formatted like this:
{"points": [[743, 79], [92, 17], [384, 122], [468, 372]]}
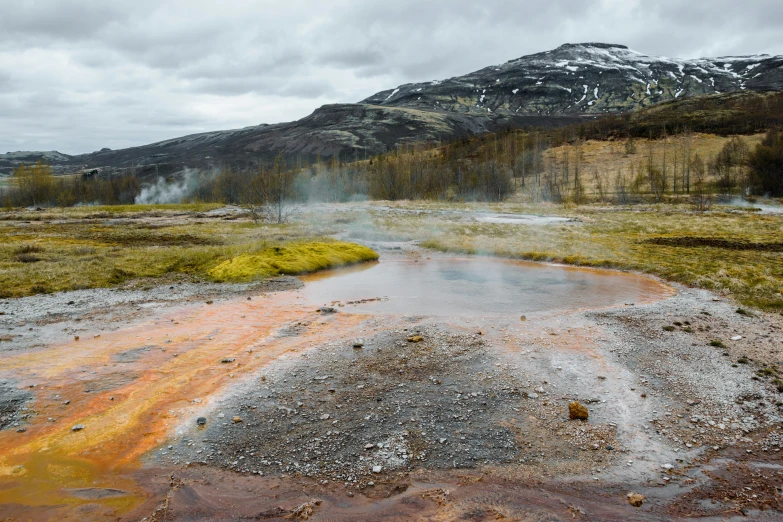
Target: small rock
{"points": [[369, 446], [21, 430], [532, 395], [523, 318], [236, 420], [358, 345], [377, 469], [635, 499], [415, 339], [76, 338], [77, 427], [327, 310], [325, 416], [577, 411], [201, 421], [228, 360], [736, 338]]}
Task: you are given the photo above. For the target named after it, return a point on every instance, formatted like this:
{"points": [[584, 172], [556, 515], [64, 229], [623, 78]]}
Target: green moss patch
{"points": [[291, 259]]}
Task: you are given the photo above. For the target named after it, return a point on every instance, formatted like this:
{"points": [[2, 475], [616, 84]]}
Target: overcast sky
{"points": [[79, 75]]}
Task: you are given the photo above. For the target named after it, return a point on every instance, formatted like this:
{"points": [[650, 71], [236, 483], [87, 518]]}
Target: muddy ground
{"points": [[260, 406]]}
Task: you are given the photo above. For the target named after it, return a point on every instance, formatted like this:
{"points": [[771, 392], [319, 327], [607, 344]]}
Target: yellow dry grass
{"points": [[69, 249], [746, 269], [607, 158]]}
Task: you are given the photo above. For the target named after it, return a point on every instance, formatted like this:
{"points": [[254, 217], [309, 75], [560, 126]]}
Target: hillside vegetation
{"points": [[688, 150]]}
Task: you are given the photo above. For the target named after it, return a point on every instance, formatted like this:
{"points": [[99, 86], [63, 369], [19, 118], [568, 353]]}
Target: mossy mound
{"points": [[291, 259]]}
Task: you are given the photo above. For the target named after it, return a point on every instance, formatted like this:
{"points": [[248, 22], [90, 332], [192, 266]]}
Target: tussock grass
{"points": [[728, 252], [28, 249], [291, 259], [74, 250], [627, 238]]}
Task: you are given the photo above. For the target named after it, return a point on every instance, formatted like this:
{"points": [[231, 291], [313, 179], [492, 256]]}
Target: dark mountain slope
{"points": [[582, 79], [571, 83]]}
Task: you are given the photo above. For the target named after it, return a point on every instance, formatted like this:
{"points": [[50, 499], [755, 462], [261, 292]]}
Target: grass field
{"points": [[736, 253], [732, 252], [604, 160], [91, 247]]}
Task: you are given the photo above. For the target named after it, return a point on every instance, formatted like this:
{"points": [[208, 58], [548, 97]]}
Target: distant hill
{"points": [[575, 82]]}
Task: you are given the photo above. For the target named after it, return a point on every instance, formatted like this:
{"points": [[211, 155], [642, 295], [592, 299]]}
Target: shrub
{"points": [[28, 249], [26, 258]]}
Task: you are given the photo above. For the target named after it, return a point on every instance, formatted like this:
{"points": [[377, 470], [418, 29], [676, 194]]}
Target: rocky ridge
{"points": [[589, 78], [550, 88]]}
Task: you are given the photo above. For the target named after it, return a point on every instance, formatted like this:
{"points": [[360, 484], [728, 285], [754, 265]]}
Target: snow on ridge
{"points": [[48, 154], [392, 94], [746, 57]]}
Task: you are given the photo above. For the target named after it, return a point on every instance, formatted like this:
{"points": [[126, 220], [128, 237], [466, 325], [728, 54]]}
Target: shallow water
{"points": [[449, 287], [520, 219]]}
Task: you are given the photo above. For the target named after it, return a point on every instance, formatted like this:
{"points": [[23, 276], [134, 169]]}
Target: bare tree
{"points": [[271, 192], [701, 199]]}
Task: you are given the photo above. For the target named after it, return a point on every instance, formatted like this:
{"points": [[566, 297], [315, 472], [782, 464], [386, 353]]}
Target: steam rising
{"points": [[765, 209], [163, 191]]}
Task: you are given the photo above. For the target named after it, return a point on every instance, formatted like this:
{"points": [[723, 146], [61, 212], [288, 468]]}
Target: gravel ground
{"points": [[491, 397], [13, 405], [357, 414], [44, 319], [713, 396], [682, 393]]}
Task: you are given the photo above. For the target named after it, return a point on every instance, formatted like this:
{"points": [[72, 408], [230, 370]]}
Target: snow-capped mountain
{"points": [[551, 88], [589, 78]]}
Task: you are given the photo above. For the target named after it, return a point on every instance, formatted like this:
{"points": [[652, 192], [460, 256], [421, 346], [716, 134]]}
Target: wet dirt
{"points": [[521, 219], [341, 415]]}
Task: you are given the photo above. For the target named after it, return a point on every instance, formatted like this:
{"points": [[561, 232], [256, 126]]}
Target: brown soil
{"points": [[696, 242]]}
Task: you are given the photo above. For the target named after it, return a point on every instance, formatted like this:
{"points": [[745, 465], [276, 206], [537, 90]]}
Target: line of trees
{"points": [[35, 185], [548, 165], [766, 164]]}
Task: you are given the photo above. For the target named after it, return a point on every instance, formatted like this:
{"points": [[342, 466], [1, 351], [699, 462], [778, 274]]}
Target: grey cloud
{"points": [[77, 75], [350, 58]]}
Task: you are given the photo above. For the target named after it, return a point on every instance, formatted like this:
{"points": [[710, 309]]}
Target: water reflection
{"points": [[449, 286]]}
